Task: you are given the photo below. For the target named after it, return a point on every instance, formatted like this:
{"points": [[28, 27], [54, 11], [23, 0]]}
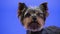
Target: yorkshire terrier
{"points": [[33, 19]]}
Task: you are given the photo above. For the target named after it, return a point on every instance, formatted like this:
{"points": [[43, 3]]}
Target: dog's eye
{"points": [[27, 15], [40, 14]]}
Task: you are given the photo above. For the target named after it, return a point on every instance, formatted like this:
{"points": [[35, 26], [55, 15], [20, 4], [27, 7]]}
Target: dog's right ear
{"points": [[44, 8], [21, 8]]}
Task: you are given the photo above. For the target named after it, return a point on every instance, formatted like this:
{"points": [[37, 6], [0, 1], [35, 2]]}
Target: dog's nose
{"points": [[34, 18]]}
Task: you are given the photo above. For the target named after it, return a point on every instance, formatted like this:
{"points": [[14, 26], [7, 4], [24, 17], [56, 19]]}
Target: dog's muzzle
{"points": [[33, 25]]}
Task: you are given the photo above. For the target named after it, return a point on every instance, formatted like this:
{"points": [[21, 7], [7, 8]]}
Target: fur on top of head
{"points": [[22, 8]]}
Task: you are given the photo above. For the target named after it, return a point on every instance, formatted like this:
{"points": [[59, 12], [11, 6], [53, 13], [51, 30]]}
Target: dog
{"points": [[33, 19]]}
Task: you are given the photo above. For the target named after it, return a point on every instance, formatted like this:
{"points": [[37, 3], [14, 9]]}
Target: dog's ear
{"points": [[21, 8], [44, 8]]}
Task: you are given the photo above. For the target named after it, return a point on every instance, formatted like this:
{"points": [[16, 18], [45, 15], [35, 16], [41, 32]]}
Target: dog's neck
{"points": [[38, 32]]}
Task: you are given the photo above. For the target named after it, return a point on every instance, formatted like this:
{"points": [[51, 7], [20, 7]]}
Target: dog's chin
{"points": [[34, 27], [35, 30]]}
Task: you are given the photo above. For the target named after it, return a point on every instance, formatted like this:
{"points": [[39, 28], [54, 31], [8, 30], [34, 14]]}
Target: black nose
{"points": [[34, 18]]}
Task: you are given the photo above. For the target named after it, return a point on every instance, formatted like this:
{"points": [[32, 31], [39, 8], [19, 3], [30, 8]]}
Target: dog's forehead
{"points": [[33, 10]]}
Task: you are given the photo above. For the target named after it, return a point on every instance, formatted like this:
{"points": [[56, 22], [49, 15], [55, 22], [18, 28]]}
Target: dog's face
{"points": [[33, 19]]}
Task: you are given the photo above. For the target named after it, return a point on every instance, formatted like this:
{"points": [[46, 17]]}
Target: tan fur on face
{"points": [[29, 19], [26, 21], [40, 21]]}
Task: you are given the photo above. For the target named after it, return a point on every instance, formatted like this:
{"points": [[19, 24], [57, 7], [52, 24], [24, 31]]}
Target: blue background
{"points": [[10, 24]]}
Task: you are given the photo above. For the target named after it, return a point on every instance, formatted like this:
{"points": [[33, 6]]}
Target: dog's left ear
{"points": [[21, 8], [44, 8]]}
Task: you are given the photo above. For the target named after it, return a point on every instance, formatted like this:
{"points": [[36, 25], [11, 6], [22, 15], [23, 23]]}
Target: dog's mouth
{"points": [[33, 25]]}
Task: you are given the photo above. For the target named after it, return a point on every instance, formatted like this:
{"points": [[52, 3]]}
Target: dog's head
{"points": [[33, 19]]}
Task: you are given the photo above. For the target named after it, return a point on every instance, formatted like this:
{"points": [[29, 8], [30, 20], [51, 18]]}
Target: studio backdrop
{"points": [[9, 22]]}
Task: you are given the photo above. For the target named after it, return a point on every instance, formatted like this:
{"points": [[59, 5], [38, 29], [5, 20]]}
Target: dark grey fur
{"points": [[47, 30]]}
